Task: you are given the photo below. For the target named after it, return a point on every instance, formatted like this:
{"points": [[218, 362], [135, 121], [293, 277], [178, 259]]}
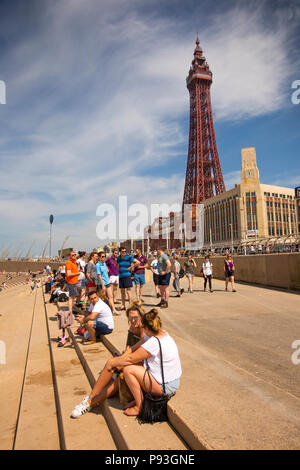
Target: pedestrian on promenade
{"points": [[103, 280], [189, 268], [139, 378], [139, 273], [229, 269], [207, 268], [99, 319], [91, 273], [72, 275], [164, 269], [176, 270], [113, 272], [81, 263], [32, 286], [126, 264], [154, 269]]}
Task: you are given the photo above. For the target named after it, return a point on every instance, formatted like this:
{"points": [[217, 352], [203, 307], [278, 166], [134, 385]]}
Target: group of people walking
{"points": [[122, 270]]}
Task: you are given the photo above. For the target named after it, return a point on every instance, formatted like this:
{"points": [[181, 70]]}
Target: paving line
{"points": [[60, 426], [24, 376]]}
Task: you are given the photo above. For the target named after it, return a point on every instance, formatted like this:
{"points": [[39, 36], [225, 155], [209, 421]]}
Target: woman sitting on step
{"points": [[134, 314], [141, 367]]}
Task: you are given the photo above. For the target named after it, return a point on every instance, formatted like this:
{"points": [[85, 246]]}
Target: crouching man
{"points": [[99, 319]]}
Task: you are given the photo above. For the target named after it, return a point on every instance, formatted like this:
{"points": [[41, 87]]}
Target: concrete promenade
{"points": [[239, 389]]}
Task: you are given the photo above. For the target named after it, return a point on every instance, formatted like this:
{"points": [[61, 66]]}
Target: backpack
{"points": [[62, 297], [81, 330]]}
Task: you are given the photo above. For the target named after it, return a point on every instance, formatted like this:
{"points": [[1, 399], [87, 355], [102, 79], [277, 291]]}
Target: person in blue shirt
{"points": [[126, 264], [103, 280]]}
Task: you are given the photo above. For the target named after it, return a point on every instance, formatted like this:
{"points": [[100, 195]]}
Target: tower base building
{"points": [[251, 212]]}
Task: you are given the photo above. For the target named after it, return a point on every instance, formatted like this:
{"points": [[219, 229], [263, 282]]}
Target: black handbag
{"points": [[154, 409]]}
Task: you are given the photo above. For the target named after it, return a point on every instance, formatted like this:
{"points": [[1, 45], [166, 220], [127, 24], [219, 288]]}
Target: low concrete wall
{"points": [[24, 266], [276, 270]]}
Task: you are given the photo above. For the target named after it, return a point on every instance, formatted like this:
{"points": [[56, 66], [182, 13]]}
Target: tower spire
{"points": [[204, 177]]}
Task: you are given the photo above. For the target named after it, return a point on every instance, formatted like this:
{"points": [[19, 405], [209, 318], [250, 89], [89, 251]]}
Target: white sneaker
{"points": [[82, 408]]}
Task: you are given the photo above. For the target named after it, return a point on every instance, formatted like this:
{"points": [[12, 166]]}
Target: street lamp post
{"points": [[51, 222], [231, 238]]}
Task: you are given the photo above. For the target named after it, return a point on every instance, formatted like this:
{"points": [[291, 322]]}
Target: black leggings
{"points": [[209, 281]]}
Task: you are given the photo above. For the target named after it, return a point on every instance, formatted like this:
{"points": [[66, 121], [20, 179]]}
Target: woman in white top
{"points": [[145, 352], [81, 280], [207, 272]]}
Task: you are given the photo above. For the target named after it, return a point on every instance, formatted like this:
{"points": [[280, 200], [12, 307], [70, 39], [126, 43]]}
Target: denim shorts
{"points": [[82, 283], [139, 279], [171, 387], [102, 328]]}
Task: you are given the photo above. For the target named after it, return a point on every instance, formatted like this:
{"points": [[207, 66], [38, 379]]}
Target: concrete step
{"points": [[128, 433], [116, 342], [38, 412], [91, 431], [14, 332]]}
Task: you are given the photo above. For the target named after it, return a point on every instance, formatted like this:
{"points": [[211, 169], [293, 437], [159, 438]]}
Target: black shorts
{"points": [[229, 273], [156, 279], [125, 282], [164, 280]]}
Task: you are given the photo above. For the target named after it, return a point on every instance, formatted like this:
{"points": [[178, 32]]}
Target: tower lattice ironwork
{"points": [[204, 178]]}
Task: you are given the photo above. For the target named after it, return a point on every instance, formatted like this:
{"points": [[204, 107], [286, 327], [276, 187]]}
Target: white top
{"points": [[176, 267], [207, 268], [81, 265], [59, 291], [104, 313], [171, 361], [154, 265]]}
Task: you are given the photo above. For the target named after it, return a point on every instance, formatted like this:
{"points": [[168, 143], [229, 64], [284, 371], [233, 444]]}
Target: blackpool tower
{"points": [[204, 177]]}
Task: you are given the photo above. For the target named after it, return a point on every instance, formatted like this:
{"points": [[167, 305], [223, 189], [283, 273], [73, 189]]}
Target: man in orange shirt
{"points": [[72, 275]]}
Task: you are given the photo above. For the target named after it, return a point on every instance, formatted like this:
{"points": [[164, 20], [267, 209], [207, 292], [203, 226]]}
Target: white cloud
{"points": [[232, 178]]}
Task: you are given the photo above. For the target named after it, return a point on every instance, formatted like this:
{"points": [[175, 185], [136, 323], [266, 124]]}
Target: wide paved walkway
{"points": [[240, 388]]}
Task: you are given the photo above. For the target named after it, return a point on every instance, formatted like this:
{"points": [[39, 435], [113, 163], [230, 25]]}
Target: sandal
{"points": [[90, 341]]}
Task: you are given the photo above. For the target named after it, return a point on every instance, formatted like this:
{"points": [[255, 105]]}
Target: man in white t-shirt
{"points": [[99, 320]]}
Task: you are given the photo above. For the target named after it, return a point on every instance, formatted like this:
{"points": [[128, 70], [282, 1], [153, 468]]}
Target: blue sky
{"points": [[97, 105]]}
